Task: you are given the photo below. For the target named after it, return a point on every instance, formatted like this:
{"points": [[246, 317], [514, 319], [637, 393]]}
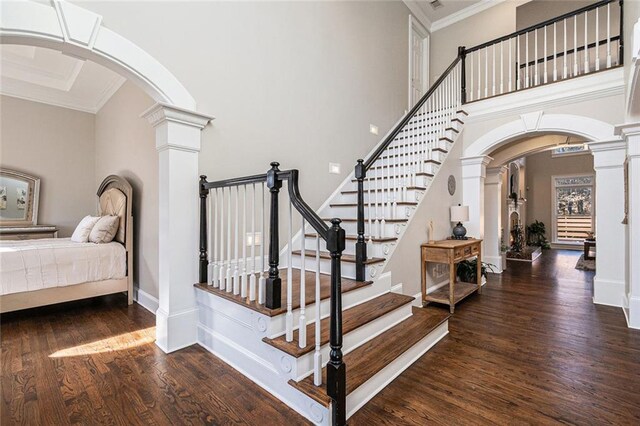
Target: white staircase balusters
{"points": [[586, 42], [526, 60], [289, 316], [377, 214], [229, 284], [501, 68], [597, 66], [609, 35], [479, 81], [555, 53], [252, 277], [565, 69], [382, 219], [493, 78], [471, 91], [518, 65], [302, 320], [486, 71], [510, 66], [221, 271], [244, 278], [212, 268], [575, 46], [262, 281], [535, 59], [546, 74], [317, 356], [236, 269]]}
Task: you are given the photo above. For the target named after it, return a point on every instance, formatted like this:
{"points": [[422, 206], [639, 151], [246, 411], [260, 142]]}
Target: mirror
{"points": [[19, 195]]}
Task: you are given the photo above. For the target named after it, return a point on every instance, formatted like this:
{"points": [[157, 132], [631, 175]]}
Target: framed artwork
{"points": [[22, 198]]}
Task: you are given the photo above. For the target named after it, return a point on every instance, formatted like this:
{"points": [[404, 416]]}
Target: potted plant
{"points": [[536, 235], [467, 270]]}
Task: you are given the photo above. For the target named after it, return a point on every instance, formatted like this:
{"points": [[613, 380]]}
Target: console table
{"points": [[28, 232], [450, 252]]}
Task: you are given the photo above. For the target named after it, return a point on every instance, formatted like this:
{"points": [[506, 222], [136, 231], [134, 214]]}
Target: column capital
{"points": [[162, 112], [628, 129], [494, 175], [608, 153], [475, 167]]}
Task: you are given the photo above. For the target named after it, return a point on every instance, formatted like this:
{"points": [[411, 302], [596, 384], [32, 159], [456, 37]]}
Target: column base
{"points": [[176, 331], [633, 318], [496, 261], [608, 292]]}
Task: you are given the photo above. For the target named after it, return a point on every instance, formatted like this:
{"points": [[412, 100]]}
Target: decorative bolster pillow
{"points": [[82, 231], [105, 230]]}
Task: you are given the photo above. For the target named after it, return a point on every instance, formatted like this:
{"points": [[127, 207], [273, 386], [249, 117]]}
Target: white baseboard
{"points": [[607, 292], [177, 330], [146, 300]]}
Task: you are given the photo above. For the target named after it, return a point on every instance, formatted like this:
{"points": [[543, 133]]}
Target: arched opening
{"points": [[487, 184], [79, 33]]}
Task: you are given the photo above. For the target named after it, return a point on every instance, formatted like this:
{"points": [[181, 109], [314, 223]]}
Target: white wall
{"points": [[125, 146], [295, 82], [57, 145]]}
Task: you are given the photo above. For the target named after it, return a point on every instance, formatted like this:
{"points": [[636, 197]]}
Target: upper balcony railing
{"points": [[577, 43]]}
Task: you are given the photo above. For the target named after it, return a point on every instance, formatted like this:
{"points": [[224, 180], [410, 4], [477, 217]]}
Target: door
{"points": [[418, 60]]}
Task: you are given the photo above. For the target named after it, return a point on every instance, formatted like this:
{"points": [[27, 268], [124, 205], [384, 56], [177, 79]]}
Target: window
{"points": [[573, 208]]}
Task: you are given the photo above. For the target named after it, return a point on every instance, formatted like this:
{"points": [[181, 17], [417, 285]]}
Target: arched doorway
{"points": [[482, 187], [78, 32]]}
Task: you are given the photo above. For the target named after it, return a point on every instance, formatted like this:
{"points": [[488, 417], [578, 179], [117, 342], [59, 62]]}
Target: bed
{"points": [[53, 270]]}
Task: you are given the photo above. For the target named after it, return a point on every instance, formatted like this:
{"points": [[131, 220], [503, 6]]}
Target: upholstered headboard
{"points": [[115, 197]]}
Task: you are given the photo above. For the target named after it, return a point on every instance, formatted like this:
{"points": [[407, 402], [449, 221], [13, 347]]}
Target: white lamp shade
{"points": [[459, 213]]}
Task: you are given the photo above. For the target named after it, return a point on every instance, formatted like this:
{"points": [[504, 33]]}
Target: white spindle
{"points": [[289, 315], [555, 53], [229, 283], [243, 240], [479, 78], [586, 42], [222, 271], [501, 67], [575, 45], [535, 59], [609, 35], [486, 71], [375, 192], [252, 277], [518, 67], [471, 88], [317, 356], [211, 269], [598, 39], [526, 60], [262, 281], [510, 65], [236, 268], [546, 75], [302, 320], [565, 69]]}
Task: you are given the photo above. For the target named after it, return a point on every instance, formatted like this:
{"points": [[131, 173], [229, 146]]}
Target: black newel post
{"points": [[274, 283], [621, 39], [204, 192], [361, 245], [336, 369], [462, 53]]}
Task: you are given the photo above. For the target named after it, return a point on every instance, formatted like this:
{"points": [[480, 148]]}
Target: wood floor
{"points": [[532, 349]]}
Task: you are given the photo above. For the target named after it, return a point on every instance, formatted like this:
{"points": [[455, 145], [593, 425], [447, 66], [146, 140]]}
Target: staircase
{"points": [[327, 340]]}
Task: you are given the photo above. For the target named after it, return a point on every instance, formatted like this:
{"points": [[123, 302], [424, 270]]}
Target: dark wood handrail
{"points": [[542, 24], [408, 116]]}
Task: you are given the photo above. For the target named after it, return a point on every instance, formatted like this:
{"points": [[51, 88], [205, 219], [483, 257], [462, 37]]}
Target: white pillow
{"points": [[104, 230], [81, 234]]}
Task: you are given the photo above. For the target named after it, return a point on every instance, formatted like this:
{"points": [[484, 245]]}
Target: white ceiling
{"points": [[48, 76], [449, 12]]}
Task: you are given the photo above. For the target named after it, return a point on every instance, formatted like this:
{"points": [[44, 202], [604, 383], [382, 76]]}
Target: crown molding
{"points": [[418, 13], [467, 12]]}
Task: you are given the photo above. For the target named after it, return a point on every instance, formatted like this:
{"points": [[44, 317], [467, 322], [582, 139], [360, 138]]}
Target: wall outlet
{"points": [[373, 129], [334, 168]]}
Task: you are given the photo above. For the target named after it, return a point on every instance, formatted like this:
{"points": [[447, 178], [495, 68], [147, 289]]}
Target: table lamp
{"points": [[459, 214]]}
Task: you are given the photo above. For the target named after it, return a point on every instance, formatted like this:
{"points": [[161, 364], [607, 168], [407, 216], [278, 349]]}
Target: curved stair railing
{"points": [[229, 261]]}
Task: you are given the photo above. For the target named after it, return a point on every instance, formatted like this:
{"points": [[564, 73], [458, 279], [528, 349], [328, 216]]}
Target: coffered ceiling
{"points": [[48, 76]]}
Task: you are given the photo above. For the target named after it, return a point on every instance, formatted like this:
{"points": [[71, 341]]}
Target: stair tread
{"points": [[399, 203], [325, 291], [406, 164], [365, 361], [369, 179], [345, 257], [366, 237], [384, 157], [409, 188], [352, 319]]}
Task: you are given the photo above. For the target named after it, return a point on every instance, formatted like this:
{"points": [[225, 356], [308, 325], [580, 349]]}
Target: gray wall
{"points": [[125, 145], [540, 168], [57, 145]]}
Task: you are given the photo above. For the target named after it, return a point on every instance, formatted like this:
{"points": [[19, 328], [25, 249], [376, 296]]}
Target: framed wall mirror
{"points": [[19, 196]]}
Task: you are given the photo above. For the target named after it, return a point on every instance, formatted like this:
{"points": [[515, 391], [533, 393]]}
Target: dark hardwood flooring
{"points": [[532, 349]]}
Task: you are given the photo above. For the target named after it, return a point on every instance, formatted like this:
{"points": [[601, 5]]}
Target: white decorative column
{"points": [[178, 133], [631, 134], [493, 216], [609, 281], [473, 176]]}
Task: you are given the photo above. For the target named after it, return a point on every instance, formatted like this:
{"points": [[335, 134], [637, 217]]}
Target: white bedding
{"points": [[31, 265]]}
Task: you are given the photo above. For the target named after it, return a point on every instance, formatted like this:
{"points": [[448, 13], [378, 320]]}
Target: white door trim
{"points": [[415, 25]]}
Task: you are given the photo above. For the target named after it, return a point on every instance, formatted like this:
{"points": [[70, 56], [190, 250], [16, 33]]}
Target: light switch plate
{"points": [[334, 168], [373, 129]]}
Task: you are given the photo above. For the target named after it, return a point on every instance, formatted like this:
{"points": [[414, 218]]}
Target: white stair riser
{"points": [[303, 366], [388, 230], [348, 268], [396, 181], [374, 249], [385, 209], [352, 198], [402, 170]]}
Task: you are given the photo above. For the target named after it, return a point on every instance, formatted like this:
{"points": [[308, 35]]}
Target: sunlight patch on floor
{"points": [[120, 342]]}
